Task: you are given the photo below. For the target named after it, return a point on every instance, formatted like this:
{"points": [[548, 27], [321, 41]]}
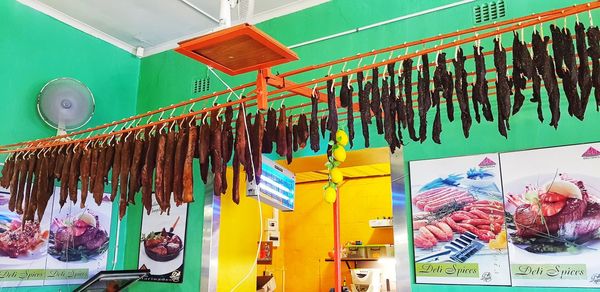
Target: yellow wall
{"points": [[239, 235], [307, 234]]}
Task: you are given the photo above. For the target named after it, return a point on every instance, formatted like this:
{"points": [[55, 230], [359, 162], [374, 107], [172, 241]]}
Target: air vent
{"points": [[201, 85], [489, 11]]}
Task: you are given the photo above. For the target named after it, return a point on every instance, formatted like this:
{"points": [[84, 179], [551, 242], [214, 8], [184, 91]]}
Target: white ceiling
{"points": [[154, 25]]}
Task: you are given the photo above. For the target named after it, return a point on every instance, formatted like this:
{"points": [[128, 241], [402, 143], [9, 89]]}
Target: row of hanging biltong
{"points": [[392, 104]]}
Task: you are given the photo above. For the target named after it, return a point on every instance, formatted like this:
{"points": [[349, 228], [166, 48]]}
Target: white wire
{"points": [[251, 270]]}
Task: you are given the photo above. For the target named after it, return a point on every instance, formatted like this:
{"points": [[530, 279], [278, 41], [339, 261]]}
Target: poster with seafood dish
{"points": [[459, 236], [22, 248], [78, 240], [162, 243], [552, 199]]}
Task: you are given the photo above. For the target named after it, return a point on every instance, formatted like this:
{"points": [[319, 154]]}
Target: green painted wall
{"points": [[166, 78], [35, 48]]}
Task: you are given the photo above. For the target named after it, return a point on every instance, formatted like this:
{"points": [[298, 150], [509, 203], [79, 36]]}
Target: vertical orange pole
{"points": [[337, 245], [261, 89]]}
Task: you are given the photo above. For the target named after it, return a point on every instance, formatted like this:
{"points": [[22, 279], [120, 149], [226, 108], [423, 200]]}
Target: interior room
{"points": [[315, 145]]}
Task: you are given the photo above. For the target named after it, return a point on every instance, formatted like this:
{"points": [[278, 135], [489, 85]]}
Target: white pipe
{"points": [[225, 14], [347, 32], [191, 5]]}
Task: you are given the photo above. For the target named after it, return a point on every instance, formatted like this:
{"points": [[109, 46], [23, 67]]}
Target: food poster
{"points": [[162, 243], [78, 239], [552, 199], [459, 235], [23, 250]]}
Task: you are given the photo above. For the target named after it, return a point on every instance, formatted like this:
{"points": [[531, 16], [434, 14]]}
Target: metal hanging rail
{"points": [[284, 86]]}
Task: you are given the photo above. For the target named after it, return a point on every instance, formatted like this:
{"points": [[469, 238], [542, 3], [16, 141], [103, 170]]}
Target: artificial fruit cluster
{"points": [[338, 155]]}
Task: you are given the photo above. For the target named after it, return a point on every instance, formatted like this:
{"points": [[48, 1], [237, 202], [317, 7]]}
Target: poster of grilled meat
{"points": [[459, 234], [552, 201]]}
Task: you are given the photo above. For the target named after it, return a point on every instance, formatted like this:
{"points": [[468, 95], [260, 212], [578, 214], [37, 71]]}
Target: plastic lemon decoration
{"points": [[330, 195], [341, 137], [336, 176], [339, 154]]}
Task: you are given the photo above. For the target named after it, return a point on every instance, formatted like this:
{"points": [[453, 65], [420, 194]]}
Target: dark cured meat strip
{"points": [[295, 138], [169, 168], [126, 155], [502, 88], [593, 35], [59, 165], [270, 131], [203, 150], [108, 161], [518, 74], [97, 186], [424, 97], [345, 93], [350, 117], [332, 119], [228, 135], [178, 165], [448, 95], [14, 182], [138, 148], [438, 89], [570, 78], [408, 108], [583, 74], [314, 124], [31, 200], [160, 168], [84, 171], [248, 166], [216, 152], [558, 50], [74, 174], [303, 131], [400, 115], [460, 84], [188, 169], [376, 101], [393, 111], [43, 194], [387, 121], [148, 172], [64, 182], [323, 126], [288, 139], [363, 107], [7, 172], [93, 167], [29, 183], [238, 154], [281, 142], [116, 170], [259, 127], [544, 65], [537, 96]]}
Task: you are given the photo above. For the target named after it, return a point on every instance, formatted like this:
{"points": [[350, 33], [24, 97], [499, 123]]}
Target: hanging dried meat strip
{"points": [[323, 126], [558, 50], [138, 148], [148, 172], [583, 74], [45, 188], [281, 136], [126, 157], [393, 112], [14, 182], [376, 101], [537, 96], [350, 116], [400, 114], [424, 98], [103, 162], [410, 113], [438, 89], [64, 182], [116, 170], [332, 119], [188, 169], [7, 171], [314, 123], [302, 131], [259, 126], [74, 174], [387, 120], [249, 166], [593, 36], [345, 94], [518, 74], [84, 171], [203, 150], [363, 107], [216, 152], [295, 138], [169, 168], [31, 164], [460, 84], [31, 201], [160, 170], [288, 139], [270, 131], [502, 88], [239, 154], [571, 75], [544, 65]]}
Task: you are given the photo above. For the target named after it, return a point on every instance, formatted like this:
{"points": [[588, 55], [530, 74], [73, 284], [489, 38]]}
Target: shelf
{"points": [[382, 227], [355, 260]]}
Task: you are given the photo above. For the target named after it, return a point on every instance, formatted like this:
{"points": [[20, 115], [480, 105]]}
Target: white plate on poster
{"points": [[160, 268]]}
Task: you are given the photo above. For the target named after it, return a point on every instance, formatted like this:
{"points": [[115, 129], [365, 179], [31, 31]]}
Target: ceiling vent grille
{"points": [[201, 85], [489, 11]]}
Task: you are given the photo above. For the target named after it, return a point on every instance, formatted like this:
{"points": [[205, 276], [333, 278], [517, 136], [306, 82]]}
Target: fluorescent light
{"points": [[269, 180]]}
